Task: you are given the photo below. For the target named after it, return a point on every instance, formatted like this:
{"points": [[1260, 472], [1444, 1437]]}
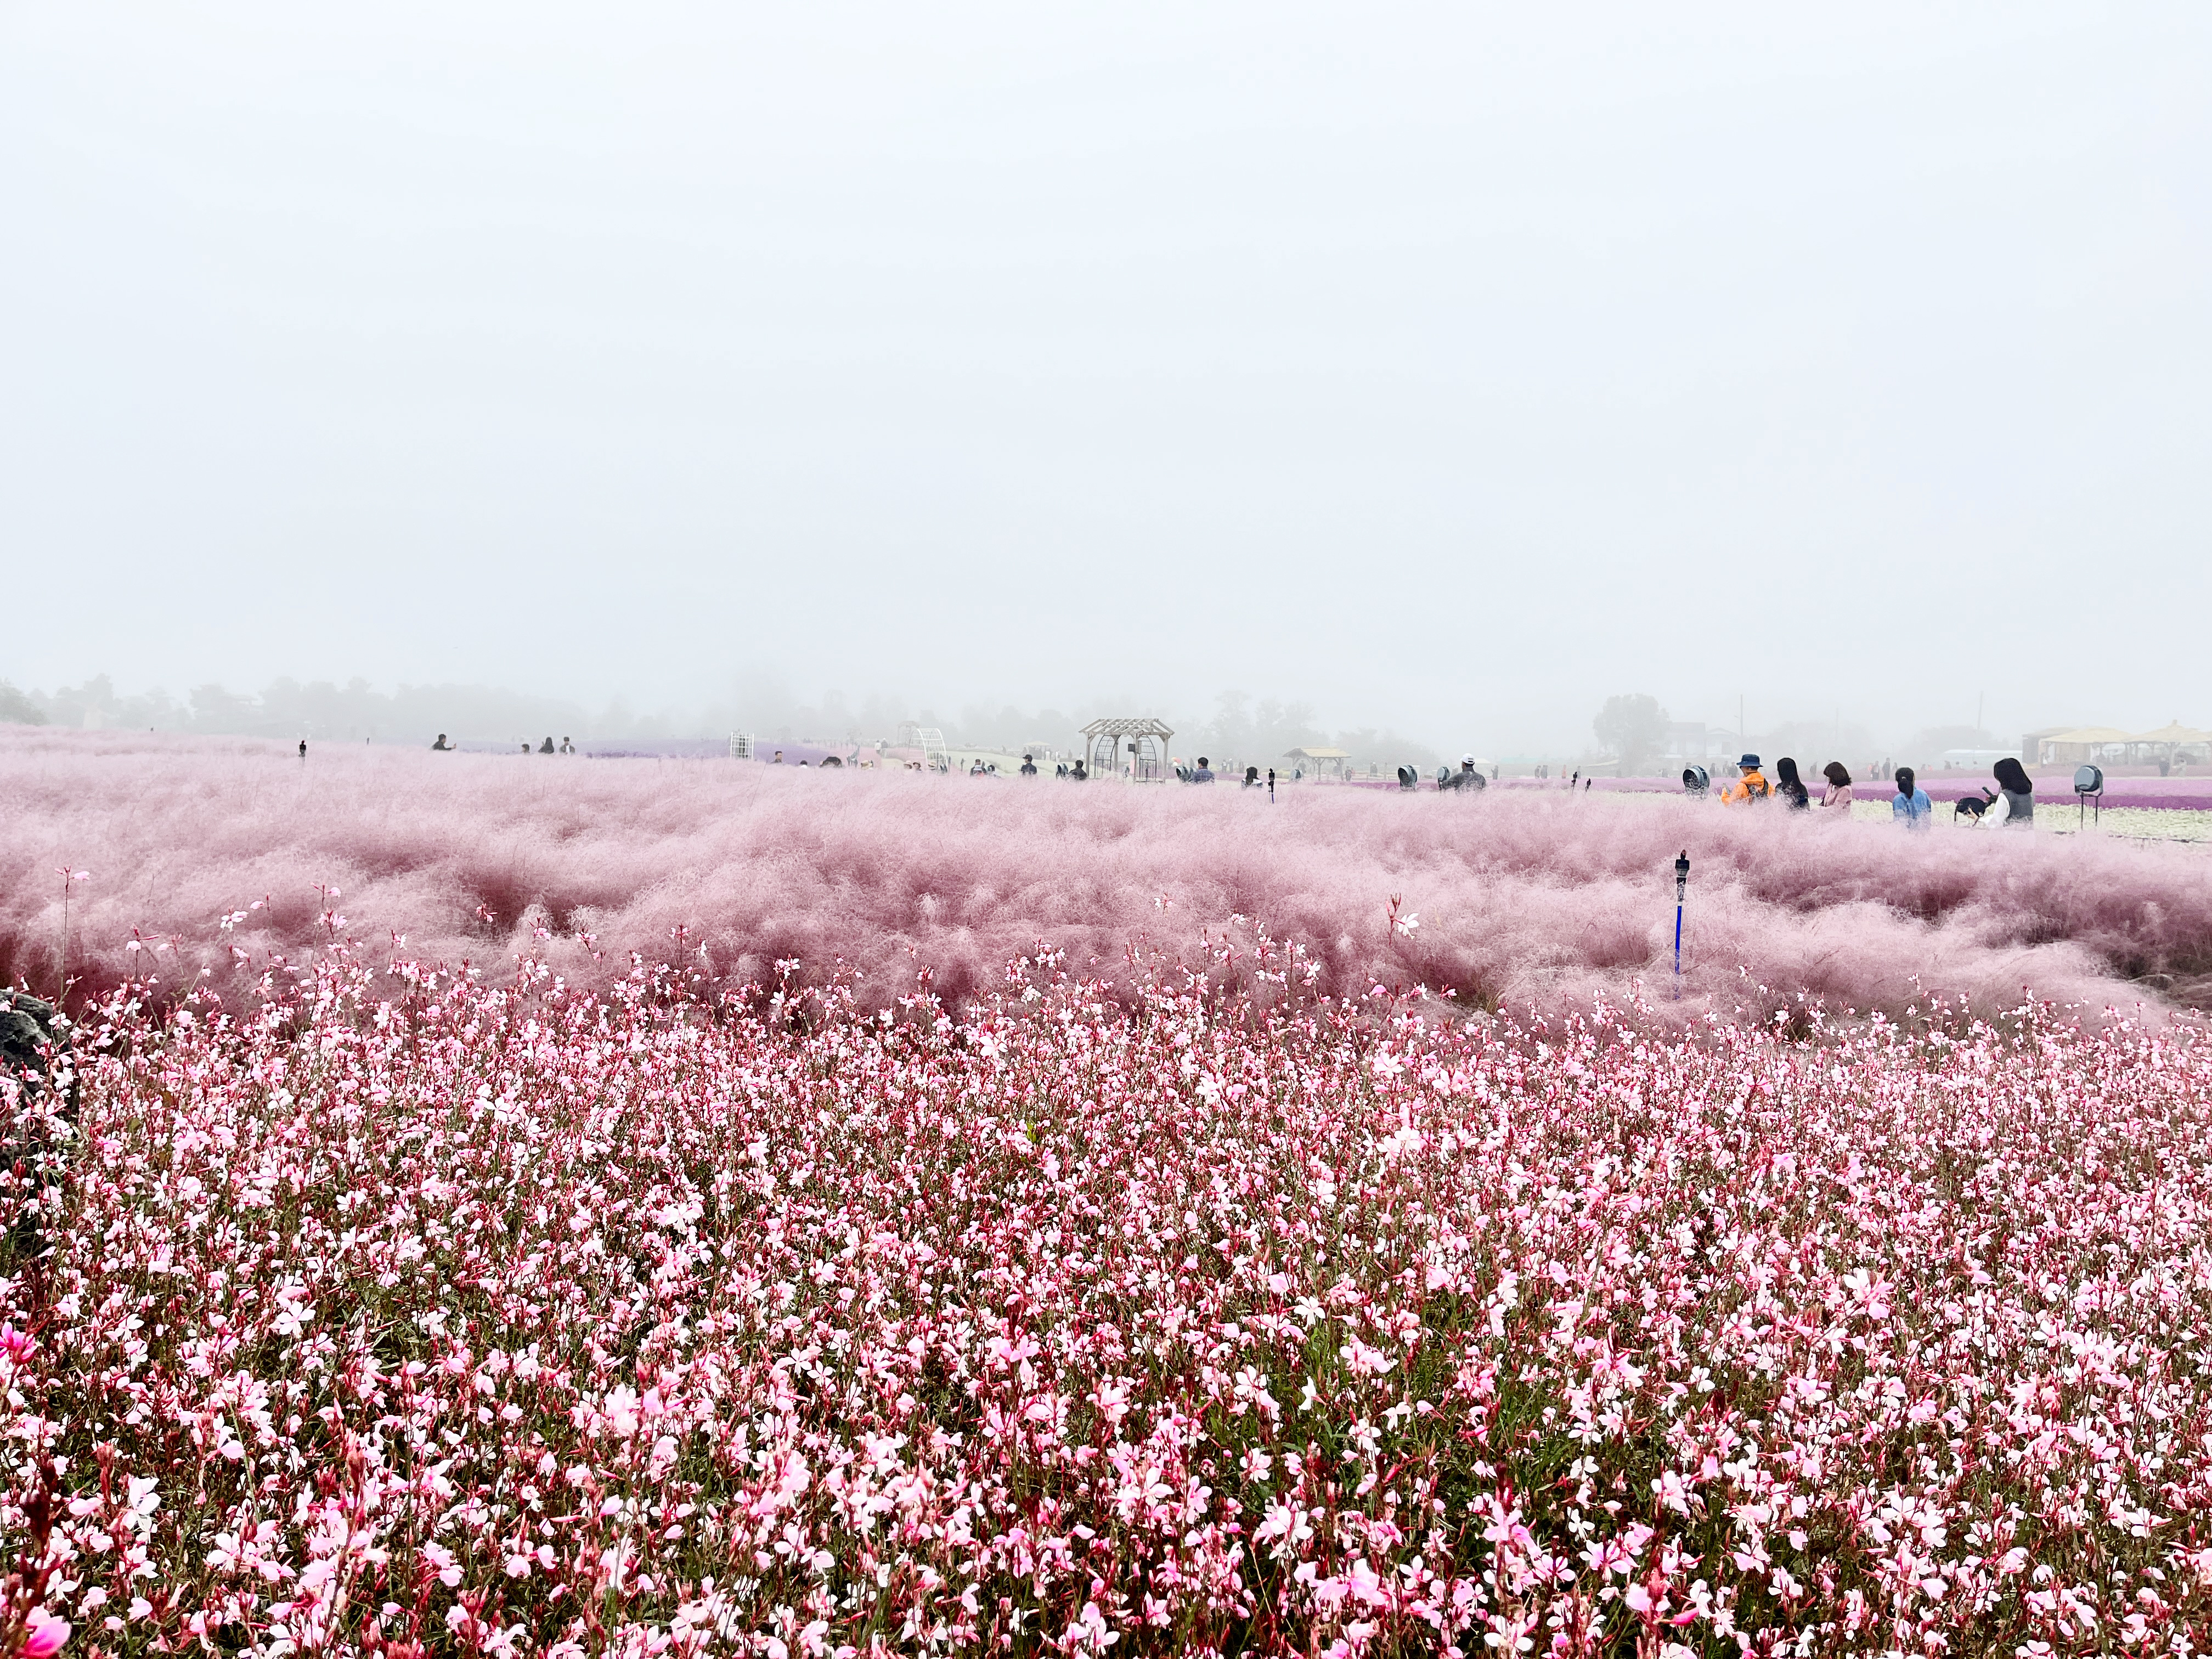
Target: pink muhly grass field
{"points": [[1520, 898], [497, 1318], [857, 1214]]}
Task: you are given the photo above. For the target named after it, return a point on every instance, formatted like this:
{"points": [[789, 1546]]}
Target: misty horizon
{"points": [[496, 1164], [1236, 723], [1446, 373]]}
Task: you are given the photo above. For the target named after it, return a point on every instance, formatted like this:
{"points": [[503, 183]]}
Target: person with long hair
{"points": [[1837, 797], [1790, 786], [2013, 807]]}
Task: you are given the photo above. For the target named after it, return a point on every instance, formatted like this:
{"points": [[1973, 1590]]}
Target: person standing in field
{"points": [[1910, 806], [441, 746], [1751, 784], [1790, 786], [1837, 797], [1466, 778], [2014, 805]]}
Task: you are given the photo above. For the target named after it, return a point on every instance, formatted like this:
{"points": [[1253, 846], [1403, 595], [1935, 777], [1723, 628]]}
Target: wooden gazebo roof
{"points": [[1144, 726], [1142, 738]]}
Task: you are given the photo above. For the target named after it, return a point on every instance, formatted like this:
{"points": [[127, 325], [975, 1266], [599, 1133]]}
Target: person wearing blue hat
{"points": [[1751, 785]]}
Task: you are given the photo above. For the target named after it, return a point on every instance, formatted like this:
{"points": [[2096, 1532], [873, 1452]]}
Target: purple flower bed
{"points": [[656, 748], [2176, 794]]}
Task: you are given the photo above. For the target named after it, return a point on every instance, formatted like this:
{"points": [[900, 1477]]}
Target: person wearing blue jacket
{"points": [[1910, 806]]}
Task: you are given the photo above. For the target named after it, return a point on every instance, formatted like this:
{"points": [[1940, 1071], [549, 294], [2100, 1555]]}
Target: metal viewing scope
{"points": [[2088, 786]]}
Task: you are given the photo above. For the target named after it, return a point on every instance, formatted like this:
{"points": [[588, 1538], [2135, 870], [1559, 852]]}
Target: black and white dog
{"points": [[1973, 807]]}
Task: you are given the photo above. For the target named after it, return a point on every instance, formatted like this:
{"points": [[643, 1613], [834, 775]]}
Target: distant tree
{"points": [[93, 702], [1814, 744], [215, 709], [1386, 748], [1249, 733], [17, 709], [1633, 729]]}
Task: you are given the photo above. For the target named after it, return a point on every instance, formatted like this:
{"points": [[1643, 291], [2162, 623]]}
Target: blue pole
{"points": [[1681, 885]]}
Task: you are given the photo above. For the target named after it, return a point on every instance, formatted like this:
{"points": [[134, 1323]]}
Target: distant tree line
{"points": [[1637, 733], [289, 708], [1261, 731]]}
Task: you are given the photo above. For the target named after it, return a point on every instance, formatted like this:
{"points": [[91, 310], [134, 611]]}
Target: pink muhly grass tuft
{"points": [[1525, 898]]}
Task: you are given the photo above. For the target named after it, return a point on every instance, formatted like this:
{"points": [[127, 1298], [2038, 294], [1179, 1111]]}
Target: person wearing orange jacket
{"points": [[1750, 786]]}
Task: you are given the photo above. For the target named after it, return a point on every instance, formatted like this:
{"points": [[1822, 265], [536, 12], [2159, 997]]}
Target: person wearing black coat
{"points": [[1790, 786]]}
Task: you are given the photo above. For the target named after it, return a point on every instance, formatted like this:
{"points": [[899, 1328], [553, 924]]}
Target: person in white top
{"points": [[2013, 807]]}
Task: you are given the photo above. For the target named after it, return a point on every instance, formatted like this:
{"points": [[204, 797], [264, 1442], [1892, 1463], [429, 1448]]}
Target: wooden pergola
{"points": [[1322, 762], [1131, 746]]}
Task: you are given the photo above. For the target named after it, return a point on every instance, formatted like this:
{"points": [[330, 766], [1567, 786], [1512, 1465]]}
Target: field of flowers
{"points": [[394, 1313], [2115, 823], [724, 1262]]}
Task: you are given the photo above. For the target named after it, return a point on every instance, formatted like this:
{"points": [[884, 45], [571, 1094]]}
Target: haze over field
{"points": [[1446, 372], [1631, 735], [543, 1198]]}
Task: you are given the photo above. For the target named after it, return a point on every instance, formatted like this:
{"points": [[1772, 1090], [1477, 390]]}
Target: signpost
{"points": [[1681, 886]]}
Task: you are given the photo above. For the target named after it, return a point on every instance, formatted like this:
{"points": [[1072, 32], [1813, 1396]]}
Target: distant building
{"points": [[2172, 743], [2073, 746]]}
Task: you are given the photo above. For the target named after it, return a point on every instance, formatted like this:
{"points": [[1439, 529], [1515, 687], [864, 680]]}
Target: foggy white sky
{"points": [[1445, 366]]}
